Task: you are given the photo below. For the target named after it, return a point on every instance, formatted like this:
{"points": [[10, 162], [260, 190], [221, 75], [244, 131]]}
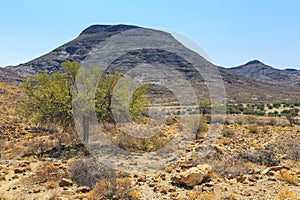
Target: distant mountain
{"points": [[293, 71], [261, 72], [242, 84]]}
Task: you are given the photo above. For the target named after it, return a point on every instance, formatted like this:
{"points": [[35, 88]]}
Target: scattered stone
{"points": [[24, 164], [65, 182], [19, 170], [83, 189], [2, 178], [36, 190], [142, 178], [241, 178], [193, 176], [275, 168], [185, 165]]}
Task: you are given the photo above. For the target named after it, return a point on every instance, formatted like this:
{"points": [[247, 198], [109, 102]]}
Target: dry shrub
{"points": [[191, 195], [114, 188], [253, 129], [86, 172], [54, 196], [47, 172], [227, 133], [262, 156], [207, 196], [229, 165], [50, 184], [285, 193], [290, 147], [202, 127], [285, 175]]}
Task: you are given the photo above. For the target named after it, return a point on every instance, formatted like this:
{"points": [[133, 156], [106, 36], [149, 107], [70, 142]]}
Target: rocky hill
{"points": [[242, 84], [262, 72]]}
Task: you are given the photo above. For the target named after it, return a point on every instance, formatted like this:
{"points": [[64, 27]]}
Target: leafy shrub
{"points": [[269, 106], [276, 104]]}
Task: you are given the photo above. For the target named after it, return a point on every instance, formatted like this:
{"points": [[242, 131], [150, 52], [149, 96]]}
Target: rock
{"points": [[185, 165], [241, 178], [142, 178], [275, 168], [83, 189], [151, 184], [193, 176], [24, 164], [36, 190], [65, 182], [2, 178], [20, 170]]}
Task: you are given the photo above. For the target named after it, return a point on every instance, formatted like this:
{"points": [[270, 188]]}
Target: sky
{"points": [[231, 32]]}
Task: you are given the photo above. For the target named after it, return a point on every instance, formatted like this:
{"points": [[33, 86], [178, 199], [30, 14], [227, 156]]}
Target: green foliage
{"points": [[52, 98], [290, 115], [104, 96], [116, 95], [49, 100], [276, 104], [269, 106], [205, 107], [138, 102], [235, 109]]}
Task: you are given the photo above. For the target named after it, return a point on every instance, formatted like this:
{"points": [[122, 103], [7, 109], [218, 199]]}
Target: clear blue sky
{"points": [[231, 32]]}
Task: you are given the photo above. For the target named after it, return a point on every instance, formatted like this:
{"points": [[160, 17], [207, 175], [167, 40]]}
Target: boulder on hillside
{"points": [[193, 176]]}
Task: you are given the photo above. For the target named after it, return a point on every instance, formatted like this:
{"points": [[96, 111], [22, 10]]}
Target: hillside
{"points": [[261, 72], [8, 76], [251, 157]]}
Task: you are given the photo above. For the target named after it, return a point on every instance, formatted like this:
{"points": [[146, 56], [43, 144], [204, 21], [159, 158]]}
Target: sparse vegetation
{"points": [[285, 175], [285, 194], [114, 189]]}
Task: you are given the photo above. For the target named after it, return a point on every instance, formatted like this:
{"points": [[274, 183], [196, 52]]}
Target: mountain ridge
{"points": [[238, 87], [259, 71]]}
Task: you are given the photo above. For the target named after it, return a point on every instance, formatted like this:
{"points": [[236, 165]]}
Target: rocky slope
{"points": [[9, 76], [262, 72]]}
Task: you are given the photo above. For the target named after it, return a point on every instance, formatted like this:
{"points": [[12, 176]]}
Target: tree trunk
{"points": [[85, 124]]}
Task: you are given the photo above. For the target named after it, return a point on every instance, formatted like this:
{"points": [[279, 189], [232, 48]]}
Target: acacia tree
{"points": [[51, 97], [49, 100], [115, 102], [84, 100]]}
